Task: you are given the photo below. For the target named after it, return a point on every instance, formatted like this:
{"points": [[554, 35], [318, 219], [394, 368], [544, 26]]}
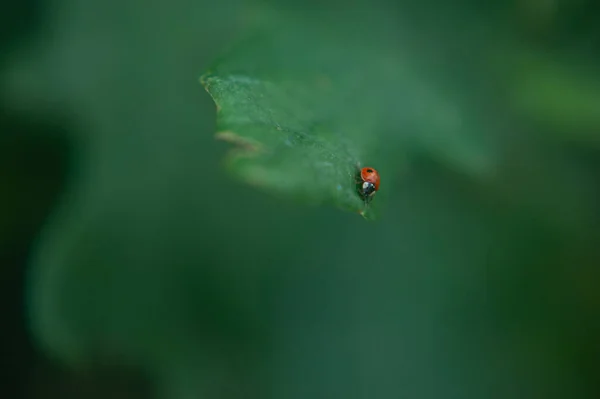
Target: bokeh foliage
{"points": [[477, 281]]}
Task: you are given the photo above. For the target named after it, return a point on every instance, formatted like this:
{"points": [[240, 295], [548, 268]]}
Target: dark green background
{"points": [[134, 266]]}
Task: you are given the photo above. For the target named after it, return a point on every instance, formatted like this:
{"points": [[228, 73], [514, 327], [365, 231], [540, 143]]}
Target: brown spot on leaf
{"points": [[245, 146]]}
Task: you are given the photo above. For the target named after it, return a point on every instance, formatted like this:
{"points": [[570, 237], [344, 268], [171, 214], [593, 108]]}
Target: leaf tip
{"points": [[204, 78], [205, 82]]}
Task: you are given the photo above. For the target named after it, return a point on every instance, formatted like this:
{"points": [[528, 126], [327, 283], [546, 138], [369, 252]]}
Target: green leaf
{"points": [[306, 103]]}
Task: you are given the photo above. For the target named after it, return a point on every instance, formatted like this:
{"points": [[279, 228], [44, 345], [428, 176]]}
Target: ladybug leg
{"points": [[369, 198], [357, 177]]}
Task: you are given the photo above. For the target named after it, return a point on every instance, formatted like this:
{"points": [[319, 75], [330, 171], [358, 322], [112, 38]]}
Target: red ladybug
{"points": [[367, 183]]}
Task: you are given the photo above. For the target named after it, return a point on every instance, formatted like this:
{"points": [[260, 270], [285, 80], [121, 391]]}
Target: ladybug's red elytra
{"points": [[367, 183]]}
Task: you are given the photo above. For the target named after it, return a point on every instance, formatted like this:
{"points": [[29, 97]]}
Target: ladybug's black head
{"points": [[367, 190]]}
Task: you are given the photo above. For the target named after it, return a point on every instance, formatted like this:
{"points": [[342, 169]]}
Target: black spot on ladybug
{"points": [[369, 170]]}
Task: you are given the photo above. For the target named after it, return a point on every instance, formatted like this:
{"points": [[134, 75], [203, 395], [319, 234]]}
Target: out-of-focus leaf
{"points": [[559, 94]]}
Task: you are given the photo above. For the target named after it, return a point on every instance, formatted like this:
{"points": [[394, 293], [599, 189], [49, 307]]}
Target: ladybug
{"points": [[367, 183]]}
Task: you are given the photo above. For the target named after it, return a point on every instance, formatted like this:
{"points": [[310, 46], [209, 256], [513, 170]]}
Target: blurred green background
{"points": [[133, 266]]}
